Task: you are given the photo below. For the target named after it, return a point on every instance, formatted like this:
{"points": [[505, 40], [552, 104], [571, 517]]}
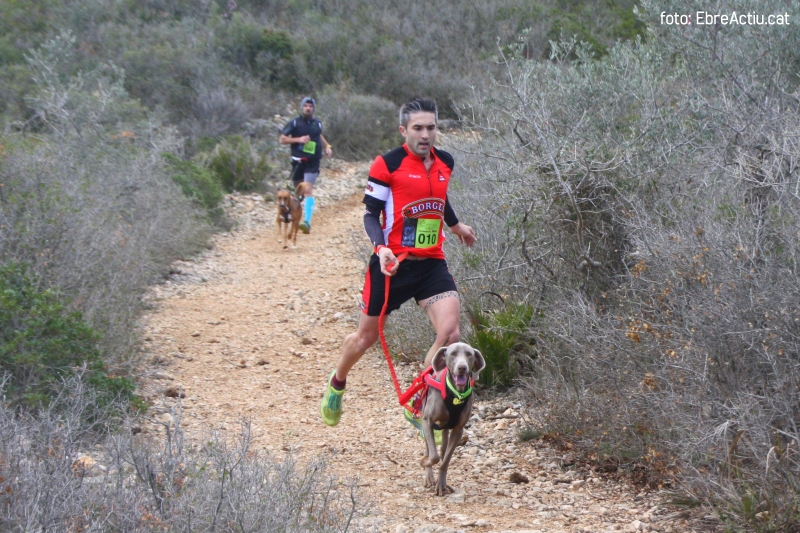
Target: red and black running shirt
{"points": [[412, 200]]}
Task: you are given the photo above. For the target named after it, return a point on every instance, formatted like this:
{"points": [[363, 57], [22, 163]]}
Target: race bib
{"points": [[421, 232], [310, 147]]}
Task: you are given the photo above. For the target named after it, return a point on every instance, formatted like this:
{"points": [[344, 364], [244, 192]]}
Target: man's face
{"points": [[420, 133], [308, 110]]}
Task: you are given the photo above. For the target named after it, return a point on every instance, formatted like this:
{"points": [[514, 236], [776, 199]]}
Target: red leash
{"points": [[418, 383]]}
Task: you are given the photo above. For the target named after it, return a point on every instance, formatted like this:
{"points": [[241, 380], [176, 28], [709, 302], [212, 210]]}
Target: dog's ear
{"points": [[440, 359], [479, 365]]}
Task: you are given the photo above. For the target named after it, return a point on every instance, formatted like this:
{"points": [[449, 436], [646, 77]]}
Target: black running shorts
{"points": [[418, 279], [305, 171]]}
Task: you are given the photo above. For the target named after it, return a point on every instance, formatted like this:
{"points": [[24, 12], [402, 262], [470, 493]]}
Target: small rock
{"points": [[458, 497], [516, 477], [481, 522], [401, 529], [174, 392], [161, 375], [196, 334]]}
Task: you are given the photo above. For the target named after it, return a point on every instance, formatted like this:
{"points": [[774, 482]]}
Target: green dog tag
{"points": [[310, 147]]}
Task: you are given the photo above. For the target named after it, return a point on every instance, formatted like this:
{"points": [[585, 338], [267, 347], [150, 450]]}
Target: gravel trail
{"points": [[251, 329]]}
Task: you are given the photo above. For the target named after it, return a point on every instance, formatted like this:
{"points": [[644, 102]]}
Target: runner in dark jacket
{"points": [[304, 134]]}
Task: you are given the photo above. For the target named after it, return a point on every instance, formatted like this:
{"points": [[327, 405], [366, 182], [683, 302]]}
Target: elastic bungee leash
{"points": [[419, 382]]}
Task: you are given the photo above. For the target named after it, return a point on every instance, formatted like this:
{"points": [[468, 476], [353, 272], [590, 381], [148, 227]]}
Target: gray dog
{"points": [[447, 406]]}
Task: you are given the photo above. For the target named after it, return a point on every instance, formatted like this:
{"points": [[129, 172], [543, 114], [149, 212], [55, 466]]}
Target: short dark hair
{"points": [[415, 105]]}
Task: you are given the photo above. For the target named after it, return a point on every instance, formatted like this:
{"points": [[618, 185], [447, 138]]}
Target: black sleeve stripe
{"points": [[446, 158], [394, 158], [379, 182], [374, 205]]}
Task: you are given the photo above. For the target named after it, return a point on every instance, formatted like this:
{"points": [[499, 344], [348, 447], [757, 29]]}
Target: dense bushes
{"points": [[195, 181], [88, 205], [646, 204], [134, 483], [237, 164], [362, 126], [174, 52], [42, 343]]}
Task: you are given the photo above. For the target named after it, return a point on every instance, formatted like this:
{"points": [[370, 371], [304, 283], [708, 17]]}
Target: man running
{"points": [[409, 187], [304, 133]]}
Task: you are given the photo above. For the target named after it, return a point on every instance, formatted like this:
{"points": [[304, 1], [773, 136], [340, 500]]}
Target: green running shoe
{"points": [[305, 227], [415, 421], [330, 408]]}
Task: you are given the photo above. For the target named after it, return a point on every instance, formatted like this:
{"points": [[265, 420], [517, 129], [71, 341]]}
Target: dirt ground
{"points": [[252, 330]]}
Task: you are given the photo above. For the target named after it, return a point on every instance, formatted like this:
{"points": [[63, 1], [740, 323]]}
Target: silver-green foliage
{"points": [[170, 482], [86, 202], [648, 203]]}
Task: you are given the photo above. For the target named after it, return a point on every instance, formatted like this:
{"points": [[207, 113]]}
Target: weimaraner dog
{"points": [[447, 406]]}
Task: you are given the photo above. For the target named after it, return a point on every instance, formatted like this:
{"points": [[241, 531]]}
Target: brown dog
{"points": [[290, 212], [448, 406]]}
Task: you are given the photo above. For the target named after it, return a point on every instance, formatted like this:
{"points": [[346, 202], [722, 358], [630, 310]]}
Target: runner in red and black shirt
{"points": [[407, 189]]}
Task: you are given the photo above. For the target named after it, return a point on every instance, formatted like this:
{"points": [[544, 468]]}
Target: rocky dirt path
{"points": [[252, 330]]}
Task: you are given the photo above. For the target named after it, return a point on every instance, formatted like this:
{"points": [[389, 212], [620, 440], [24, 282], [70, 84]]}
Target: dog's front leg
{"points": [[431, 454], [448, 447]]}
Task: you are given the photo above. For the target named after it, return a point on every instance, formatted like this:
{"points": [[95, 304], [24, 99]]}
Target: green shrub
{"points": [[196, 181], [359, 126], [528, 433], [262, 52], [500, 338], [237, 164], [42, 342], [570, 26]]}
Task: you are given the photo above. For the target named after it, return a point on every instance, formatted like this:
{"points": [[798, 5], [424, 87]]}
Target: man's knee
{"points": [[448, 334], [363, 338]]}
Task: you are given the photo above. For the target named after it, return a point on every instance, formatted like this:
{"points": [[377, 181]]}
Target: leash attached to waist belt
{"points": [[419, 382]]}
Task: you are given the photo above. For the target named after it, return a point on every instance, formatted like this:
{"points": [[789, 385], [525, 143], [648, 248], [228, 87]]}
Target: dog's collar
{"points": [[461, 396], [442, 383]]}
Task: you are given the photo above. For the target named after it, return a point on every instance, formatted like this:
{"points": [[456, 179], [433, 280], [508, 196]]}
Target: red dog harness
{"points": [[454, 400]]}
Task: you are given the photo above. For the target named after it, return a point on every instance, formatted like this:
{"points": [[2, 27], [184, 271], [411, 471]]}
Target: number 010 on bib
{"points": [[421, 232]]}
